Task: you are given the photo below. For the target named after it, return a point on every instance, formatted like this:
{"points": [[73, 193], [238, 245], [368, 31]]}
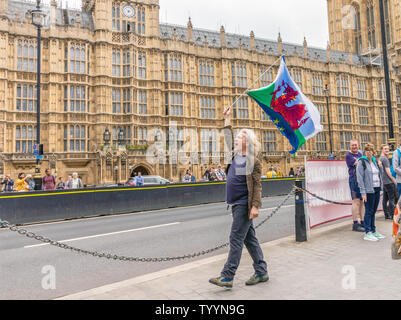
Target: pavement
{"points": [[335, 263]]}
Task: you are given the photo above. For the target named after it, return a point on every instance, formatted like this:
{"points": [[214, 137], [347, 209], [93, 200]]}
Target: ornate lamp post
{"points": [[121, 140], [107, 138], [38, 20], [327, 94]]}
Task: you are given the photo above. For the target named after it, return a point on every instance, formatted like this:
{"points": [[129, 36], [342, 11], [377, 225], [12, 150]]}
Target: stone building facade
{"points": [[113, 65]]}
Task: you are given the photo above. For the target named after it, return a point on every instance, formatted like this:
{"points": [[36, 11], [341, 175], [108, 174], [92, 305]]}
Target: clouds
{"points": [[294, 19]]}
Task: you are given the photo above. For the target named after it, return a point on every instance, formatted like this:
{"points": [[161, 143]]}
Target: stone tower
{"points": [[354, 26], [125, 16]]}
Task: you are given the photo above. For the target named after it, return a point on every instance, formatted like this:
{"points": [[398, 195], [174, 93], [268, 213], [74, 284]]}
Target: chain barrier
{"points": [[320, 198], [31, 235]]}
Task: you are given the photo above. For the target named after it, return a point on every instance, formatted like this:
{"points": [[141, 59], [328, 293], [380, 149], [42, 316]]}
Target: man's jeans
{"points": [[389, 199], [243, 232], [370, 210]]}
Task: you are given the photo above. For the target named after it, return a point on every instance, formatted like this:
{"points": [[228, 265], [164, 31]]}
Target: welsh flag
{"points": [[292, 112]]}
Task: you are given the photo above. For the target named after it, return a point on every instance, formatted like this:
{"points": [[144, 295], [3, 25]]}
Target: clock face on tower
{"points": [[128, 11]]}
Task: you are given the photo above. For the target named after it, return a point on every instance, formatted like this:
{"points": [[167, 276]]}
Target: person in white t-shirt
{"points": [[75, 182]]}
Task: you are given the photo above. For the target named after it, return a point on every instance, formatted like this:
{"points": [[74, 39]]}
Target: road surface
{"points": [[25, 263]]}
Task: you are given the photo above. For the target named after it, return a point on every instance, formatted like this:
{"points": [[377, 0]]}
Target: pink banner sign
{"points": [[327, 179]]}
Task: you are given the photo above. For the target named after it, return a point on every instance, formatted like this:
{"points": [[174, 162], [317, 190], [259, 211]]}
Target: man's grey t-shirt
{"points": [[386, 164], [236, 187]]}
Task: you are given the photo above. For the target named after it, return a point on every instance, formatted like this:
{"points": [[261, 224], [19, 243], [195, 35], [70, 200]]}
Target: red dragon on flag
{"points": [[290, 114]]}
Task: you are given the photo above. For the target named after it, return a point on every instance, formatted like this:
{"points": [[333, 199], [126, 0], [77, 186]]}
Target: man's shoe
{"points": [[370, 237], [379, 236], [358, 228], [222, 282], [257, 278]]}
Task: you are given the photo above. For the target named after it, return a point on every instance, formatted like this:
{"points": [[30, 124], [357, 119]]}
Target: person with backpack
{"points": [[187, 178], [369, 174], [48, 181], [352, 160], [396, 167], [389, 184]]}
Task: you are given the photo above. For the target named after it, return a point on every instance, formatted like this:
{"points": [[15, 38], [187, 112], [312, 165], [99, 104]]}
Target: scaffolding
{"points": [[374, 56]]}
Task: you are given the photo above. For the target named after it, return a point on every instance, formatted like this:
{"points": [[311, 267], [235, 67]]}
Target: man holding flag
{"points": [[244, 194], [299, 120]]}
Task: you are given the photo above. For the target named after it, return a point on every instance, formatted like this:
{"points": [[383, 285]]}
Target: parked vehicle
{"points": [[151, 180], [131, 182]]}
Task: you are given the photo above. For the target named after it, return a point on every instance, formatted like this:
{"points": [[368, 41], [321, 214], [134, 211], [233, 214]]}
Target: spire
{"points": [[223, 37], [305, 48], [280, 44], [190, 34], [252, 40], [328, 51], [3, 8], [53, 13]]}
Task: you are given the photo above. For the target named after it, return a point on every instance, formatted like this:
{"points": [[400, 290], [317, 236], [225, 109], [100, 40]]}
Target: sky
{"points": [[294, 19]]}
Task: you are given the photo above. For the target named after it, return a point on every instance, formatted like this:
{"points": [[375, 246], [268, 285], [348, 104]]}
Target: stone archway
{"points": [[143, 169]]}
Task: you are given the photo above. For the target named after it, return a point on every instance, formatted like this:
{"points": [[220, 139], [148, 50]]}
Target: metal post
{"points": [[38, 179], [387, 77], [328, 119], [300, 219]]}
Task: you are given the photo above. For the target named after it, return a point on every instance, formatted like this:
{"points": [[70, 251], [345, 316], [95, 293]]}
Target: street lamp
{"points": [[38, 20], [387, 77], [106, 137], [327, 94], [121, 137]]}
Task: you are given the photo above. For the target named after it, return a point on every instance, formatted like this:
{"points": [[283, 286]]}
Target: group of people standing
{"points": [[215, 175], [25, 182], [368, 176]]}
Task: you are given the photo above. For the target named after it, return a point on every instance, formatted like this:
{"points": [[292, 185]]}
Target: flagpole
{"points": [[251, 86]]}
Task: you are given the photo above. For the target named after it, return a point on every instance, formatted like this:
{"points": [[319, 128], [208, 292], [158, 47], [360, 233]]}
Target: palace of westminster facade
{"points": [[113, 65]]}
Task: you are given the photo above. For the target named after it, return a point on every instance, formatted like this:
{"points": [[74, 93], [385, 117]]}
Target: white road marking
{"points": [[134, 213], [106, 234], [283, 207], [132, 230]]}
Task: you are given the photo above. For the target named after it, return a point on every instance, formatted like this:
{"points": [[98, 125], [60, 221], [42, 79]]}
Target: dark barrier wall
{"points": [[24, 208]]}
